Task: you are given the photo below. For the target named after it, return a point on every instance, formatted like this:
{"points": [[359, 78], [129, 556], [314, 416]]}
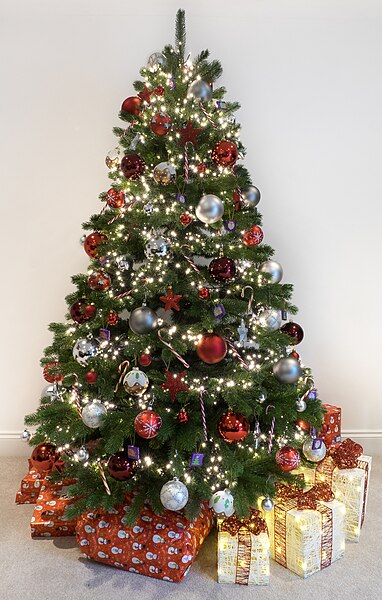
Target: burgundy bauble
{"points": [[121, 467], [44, 456], [185, 219], [115, 198], [144, 360], [112, 318], [233, 427], [182, 416], [132, 105], [160, 124], [92, 242], [82, 311], [287, 458], [253, 236], [211, 348], [52, 373], [99, 281], [225, 154], [204, 293], [293, 330], [147, 424], [91, 377], [222, 269], [132, 166]]}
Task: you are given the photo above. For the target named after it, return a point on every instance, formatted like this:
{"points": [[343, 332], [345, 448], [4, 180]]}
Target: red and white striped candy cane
{"points": [[186, 163], [271, 431], [235, 352], [191, 263], [203, 411], [248, 287], [123, 295], [175, 353], [123, 368], [104, 480], [310, 389], [208, 117]]}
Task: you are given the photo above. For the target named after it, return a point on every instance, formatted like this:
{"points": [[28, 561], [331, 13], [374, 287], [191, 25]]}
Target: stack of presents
{"points": [[305, 530]]}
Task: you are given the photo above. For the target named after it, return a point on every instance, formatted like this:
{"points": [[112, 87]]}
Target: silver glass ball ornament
{"points": [[82, 239], [157, 247], [143, 320], [210, 209], [201, 90], [93, 414], [273, 269], [155, 61], [26, 435], [314, 449], [82, 454], [174, 495], [287, 370], [270, 319], [85, 349], [300, 405], [124, 264], [251, 196], [50, 391], [267, 504]]}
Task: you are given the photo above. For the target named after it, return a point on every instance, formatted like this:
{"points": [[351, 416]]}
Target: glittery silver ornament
{"points": [[210, 209], [274, 269], [262, 396], [157, 246], [50, 391], [155, 61], [25, 435], [251, 196], [300, 405], [148, 209], [85, 349], [267, 504], [93, 414], [174, 495], [164, 173], [201, 90], [82, 454], [287, 370], [136, 382], [143, 320], [124, 264], [221, 503], [270, 319], [314, 449], [243, 332]]}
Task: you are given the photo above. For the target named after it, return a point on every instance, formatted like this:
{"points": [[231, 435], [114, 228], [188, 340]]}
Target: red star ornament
{"points": [[174, 384], [145, 95], [171, 300], [189, 133]]}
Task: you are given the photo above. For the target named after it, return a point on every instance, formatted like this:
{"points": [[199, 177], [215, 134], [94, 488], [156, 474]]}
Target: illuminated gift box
{"points": [[306, 534], [243, 550], [331, 428], [48, 518]]}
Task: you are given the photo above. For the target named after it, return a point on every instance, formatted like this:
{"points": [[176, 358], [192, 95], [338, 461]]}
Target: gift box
{"points": [[331, 428], [48, 518], [161, 546], [29, 487], [243, 550], [347, 470], [306, 529]]}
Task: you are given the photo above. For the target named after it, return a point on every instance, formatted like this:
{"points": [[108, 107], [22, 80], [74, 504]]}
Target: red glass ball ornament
{"points": [[112, 318], [287, 458], [82, 311], [201, 168], [91, 377], [295, 355], [222, 269], [147, 424], [185, 219], [92, 242], [144, 360], [121, 467], [183, 416], [253, 236], [99, 281], [44, 456], [293, 330], [233, 427], [115, 198], [132, 105], [211, 348], [52, 373], [204, 293], [303, 424], [132, 166], [225, 154], [160, 124], [159, 90]]}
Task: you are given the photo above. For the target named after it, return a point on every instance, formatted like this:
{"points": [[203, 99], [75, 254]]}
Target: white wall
{"points": [[308, 76]]}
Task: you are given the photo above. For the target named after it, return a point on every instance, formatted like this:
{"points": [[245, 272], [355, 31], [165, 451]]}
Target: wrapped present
{"points": [[347, 470], [48, 518], [29, 487], [306, 529], [331, 428], [243, 550], [161, 546]]}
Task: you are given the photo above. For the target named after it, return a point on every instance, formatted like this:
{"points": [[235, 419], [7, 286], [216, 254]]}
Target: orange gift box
{"points": [[29, 487], [331, 428], [48, 518], [161, 546]]}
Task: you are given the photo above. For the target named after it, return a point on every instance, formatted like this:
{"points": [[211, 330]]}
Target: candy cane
{"points": [[175, 353], [271, 434], [186, 164], [202, 410], [123, 368], [123, 295], [191, 263], [235, 352], [312, 387], [208, 117], [103, 476], [248, 287]]}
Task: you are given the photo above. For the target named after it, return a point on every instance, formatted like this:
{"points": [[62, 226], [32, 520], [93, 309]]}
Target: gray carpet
{"points": [[54, 570]]}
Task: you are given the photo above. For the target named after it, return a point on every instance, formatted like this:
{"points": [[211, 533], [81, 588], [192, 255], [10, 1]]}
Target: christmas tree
{"points": [[175, 375]]}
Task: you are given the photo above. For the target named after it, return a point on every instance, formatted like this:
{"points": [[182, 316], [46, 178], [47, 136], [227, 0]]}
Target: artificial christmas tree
{"points": [[174, 377]]}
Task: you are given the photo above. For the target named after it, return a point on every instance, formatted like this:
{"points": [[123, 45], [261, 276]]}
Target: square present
{"points": [[48, 518], [243, 550], [161, 546], [331, 428]]}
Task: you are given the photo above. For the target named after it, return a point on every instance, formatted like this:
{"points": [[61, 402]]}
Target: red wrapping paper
{"points": [[331, 428], [48, 518], [29, 487]]}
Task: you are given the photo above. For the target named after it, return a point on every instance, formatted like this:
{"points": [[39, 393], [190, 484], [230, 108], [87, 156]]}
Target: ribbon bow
{"points": [[254, 524], [306, 500], [346, 455]]}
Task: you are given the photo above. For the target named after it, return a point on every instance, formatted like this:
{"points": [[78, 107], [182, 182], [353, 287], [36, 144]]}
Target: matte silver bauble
{"points": [[251, 196], [93, 414], [210, 209], [82, 454], [300, 405], [287, 370], [267, 504], [143, 320], [273, 269], [26, 435], [314, 449], [157, 247], [270, 319], [221, 503], [174, 495], [155, 61], [136, 382], [85, 349], [201, 90]]}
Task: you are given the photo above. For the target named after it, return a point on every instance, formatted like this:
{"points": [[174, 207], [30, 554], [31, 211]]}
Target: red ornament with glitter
{"points": [[233, 427], [52, 373], [144, 360], [222, 269], [81, 311], [147, 424], [132, 105], [92, 242], [174, 384], [204, 293], [185, 219], [171, 300], [225, 154], [211, 348], [182, 416], [201, 168], [112, 318], [287, 458], [115, 198], [91, 377], [132, 166], [99, 281], [253, 236], [159, 90], [160, 124], [293, 330]]}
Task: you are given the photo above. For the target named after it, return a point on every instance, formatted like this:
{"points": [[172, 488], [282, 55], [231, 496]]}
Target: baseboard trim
{"points": [[362, 433]]}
